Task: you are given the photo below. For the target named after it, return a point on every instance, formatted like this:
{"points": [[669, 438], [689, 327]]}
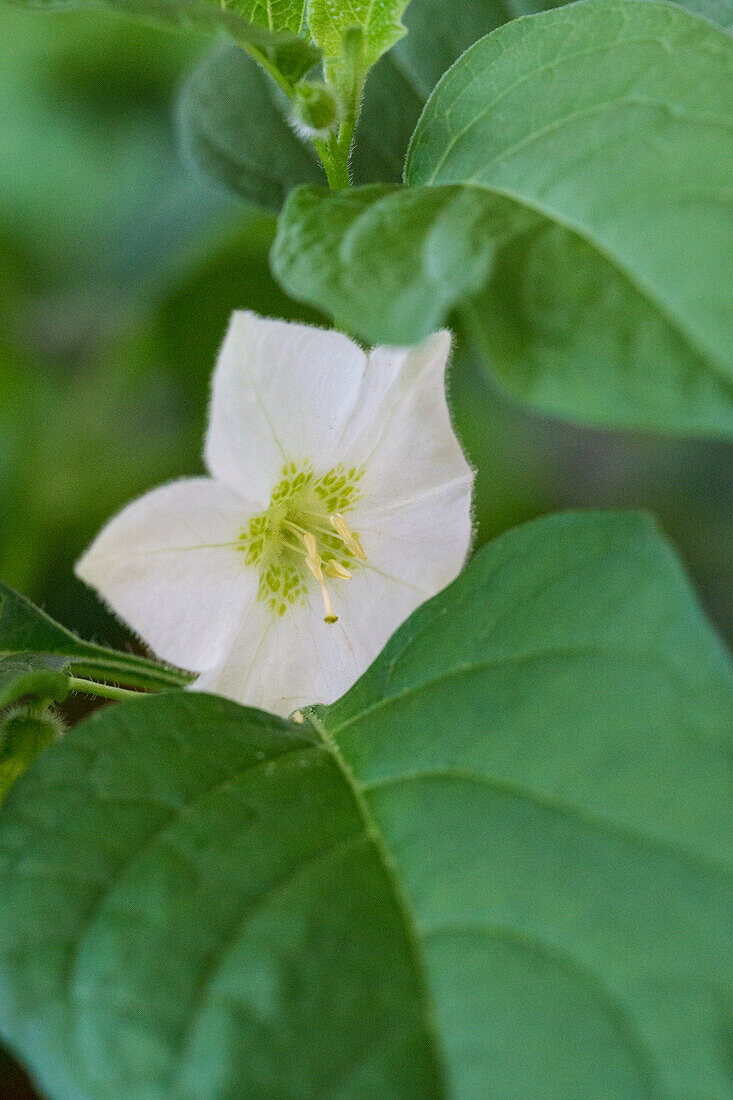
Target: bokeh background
{"points": [[119, 267]]}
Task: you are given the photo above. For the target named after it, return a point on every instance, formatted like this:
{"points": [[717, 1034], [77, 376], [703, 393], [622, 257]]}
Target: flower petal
{"points": [[421, 544], [404, 438], [282, 392], [280, 664], [169, 566]]}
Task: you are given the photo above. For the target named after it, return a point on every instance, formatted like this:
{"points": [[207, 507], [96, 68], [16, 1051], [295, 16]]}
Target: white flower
{"points": [[339, 500]]}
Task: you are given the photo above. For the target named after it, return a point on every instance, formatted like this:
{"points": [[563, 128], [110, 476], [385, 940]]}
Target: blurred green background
{"points": [[119, 267]]}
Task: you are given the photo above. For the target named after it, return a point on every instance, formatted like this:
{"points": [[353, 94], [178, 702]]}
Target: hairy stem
{"points": [[335, 163], [103, 691]]}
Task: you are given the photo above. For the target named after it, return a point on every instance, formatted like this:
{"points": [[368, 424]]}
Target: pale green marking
{"points": [[272, 540]]}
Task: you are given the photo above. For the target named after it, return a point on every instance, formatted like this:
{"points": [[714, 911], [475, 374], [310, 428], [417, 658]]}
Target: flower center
{"points": [[304, 536]]}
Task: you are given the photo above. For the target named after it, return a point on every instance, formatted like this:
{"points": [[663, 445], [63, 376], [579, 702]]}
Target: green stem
{"points": [[347, 130], [335, 153], [334, 162], [104, 691]]}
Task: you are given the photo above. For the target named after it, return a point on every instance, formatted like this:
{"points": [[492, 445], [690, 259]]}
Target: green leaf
{"points": [[577, 214], [275, 15], [436, 38], [41, 676], [286, 52], [629, 78], [400, 83], [222, 916], [502, 868], [26, 631], [389, 262], [380, 21], [233, 127]]}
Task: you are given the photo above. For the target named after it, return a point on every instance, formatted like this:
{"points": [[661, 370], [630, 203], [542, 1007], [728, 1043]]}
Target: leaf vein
{"points": [[550, 803], [591, 982]]}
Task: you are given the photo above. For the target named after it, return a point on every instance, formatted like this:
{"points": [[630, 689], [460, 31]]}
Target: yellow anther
{"points": [[311, 546], [315, 568], [333, 568], [343, 530]]}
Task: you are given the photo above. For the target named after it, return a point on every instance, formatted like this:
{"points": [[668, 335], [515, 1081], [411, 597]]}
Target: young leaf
{"points": [[271, 40], [509, 837], [27, 631], [233, 127], [275, 15], [329, 20], [597, 181]]}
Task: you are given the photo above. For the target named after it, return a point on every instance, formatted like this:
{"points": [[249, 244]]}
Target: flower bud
{"points": [[315, 111], [23, 736]]}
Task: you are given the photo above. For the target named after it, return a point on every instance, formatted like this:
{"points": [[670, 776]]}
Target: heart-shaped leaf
{"points": [[499, 866], [567, 191]]}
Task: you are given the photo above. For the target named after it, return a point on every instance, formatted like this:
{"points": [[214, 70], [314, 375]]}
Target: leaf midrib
{"points": [[401, 900], [500, 661], [593, 983]]}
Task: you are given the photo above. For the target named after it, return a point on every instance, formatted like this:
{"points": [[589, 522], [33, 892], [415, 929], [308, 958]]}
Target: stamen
{"points": [[344, 531], [334, 568], [312, 547], [313, 561]]}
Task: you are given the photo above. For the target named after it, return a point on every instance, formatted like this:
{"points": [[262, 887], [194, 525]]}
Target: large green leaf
{"points": [[290, 54], [222, 923], [498, 867], [26, 631], [577, 213], [401, 82], [625, 138], [436, 38]]}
